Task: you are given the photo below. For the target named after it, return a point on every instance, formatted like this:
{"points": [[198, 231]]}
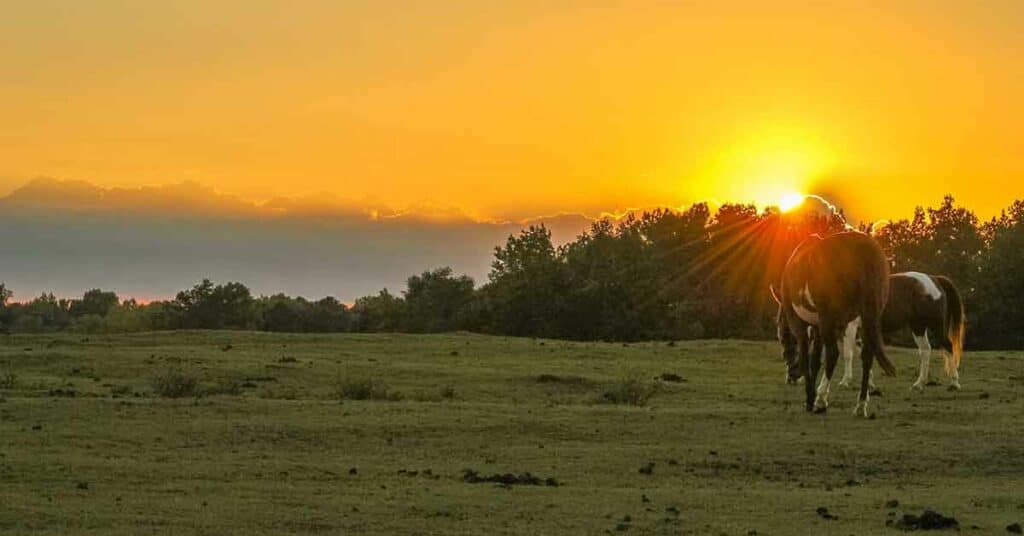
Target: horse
{"points": [[927, 304], [826, 284]]}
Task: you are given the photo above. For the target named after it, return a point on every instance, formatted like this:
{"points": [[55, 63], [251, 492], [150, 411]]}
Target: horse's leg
{"points": [[947, 350], [816, 346], [866, 358], [954, 376], [814, 366], [924, 351], [831, 357], [805, 367], [849, 345]]}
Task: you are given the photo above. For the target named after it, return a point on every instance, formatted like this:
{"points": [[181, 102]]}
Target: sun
{"points": [[791, 200]]}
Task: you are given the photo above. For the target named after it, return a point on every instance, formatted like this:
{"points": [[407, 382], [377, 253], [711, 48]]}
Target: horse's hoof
{"points": [[954, 387], [820, 409], [861, 409], [809, 408], [918, 386]]}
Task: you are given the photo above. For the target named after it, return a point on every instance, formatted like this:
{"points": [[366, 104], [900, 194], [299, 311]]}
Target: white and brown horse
{"points": [[928, 305], [827, 283]]}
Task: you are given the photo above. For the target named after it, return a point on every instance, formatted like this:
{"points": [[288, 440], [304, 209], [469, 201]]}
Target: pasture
{"points": [[721, 445]]}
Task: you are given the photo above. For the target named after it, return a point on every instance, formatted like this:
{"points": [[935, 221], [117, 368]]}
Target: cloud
{"points": [[68, 236]]}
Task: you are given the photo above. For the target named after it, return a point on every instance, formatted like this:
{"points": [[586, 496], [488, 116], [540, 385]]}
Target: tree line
{"points": [[662, 274]]}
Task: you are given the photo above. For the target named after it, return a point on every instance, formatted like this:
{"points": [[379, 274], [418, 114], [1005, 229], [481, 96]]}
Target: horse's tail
{"points": [[871, 326], [956, 326]]}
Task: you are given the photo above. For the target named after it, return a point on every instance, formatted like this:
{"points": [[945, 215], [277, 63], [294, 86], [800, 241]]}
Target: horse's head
{"points": [[787, 340]]}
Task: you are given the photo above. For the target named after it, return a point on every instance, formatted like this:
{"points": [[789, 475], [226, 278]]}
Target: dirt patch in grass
{"points": [[671, 377], [364, 389], [928, 520]]}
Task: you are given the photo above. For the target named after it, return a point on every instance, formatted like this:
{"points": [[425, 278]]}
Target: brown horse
{"points": [[826, 284], [928, 305]]}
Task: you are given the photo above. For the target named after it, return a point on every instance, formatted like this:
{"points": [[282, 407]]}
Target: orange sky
{"points": [[514, 109]]}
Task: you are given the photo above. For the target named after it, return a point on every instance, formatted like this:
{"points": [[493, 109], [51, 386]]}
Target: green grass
{"points": [[267, 447]]}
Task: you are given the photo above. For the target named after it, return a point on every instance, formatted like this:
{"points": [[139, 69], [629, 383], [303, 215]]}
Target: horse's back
{"points": [[841, 269]]}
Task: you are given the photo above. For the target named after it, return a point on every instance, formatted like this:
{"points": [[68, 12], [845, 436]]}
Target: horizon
{"points": [[148, 243]]}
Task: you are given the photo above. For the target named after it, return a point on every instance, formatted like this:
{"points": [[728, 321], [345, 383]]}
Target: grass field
{"points": [[87, 446]]}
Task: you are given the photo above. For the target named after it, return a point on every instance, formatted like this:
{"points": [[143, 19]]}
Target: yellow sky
{"points": [[514, 109]]}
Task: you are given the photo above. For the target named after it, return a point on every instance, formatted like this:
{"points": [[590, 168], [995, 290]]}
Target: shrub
{"points": [[631, 391], [8, 380], [175, 383], [364, 389]]}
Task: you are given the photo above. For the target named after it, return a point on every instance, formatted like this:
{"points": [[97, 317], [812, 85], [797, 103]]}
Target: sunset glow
{"points": [[522, 108]]}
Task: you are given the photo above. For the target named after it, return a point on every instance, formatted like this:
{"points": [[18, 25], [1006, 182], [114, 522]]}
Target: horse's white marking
{"points": [[823, 387], [862, 404], [806, 294], [849, 347], [930, 288], [924, 350], [805, 314]]}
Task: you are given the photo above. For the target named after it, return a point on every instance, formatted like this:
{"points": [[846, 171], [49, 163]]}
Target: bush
{"points": [[8, 380], [175, 383], [364, 389], [632, 391]]}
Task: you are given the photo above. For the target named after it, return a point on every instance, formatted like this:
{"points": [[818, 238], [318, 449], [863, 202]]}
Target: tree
{"points": [[435, 300], [5, 313], [281, 313], [955, 242], [129, 317], [209, 306], [94, 302], [45, 313], [383, 312], [526, 286], [327, 315], [996, 314], [611, 290]]}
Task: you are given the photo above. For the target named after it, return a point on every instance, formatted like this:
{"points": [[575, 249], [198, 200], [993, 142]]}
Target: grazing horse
{"points": [[927, 304], [826, 284]]}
